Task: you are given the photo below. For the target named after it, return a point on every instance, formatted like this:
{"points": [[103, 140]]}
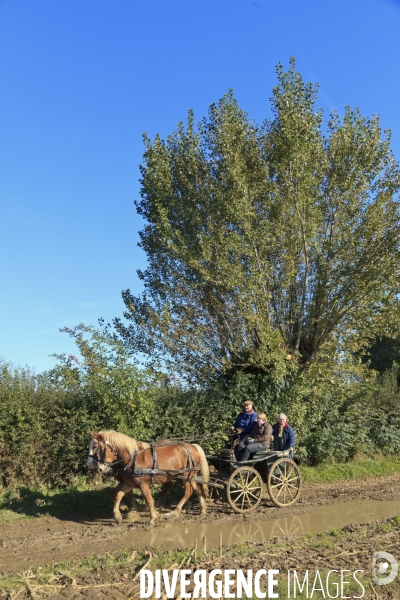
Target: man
{"points": [[245, 420], [284, 438]]}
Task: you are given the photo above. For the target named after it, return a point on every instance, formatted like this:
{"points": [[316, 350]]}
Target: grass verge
{"points": [[360, 468]]}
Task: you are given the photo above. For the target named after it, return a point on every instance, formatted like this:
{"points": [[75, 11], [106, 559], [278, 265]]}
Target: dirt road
{"points": [[35, 542]]}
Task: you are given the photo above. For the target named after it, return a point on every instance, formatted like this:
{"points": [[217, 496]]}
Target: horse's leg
{"points": [[131, 501], [188, 490], [119, 492], [145, 489], [199, 493], [113, 493]]}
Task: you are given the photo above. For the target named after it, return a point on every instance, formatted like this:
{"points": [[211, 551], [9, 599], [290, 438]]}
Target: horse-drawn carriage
{"points": [[140, 465], [243, 482]]}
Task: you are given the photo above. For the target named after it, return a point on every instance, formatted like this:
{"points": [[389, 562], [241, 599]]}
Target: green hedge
{"points": [[44, 422]]}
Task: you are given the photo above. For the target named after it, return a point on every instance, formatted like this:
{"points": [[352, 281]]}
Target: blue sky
{"points": [[79, 84]]}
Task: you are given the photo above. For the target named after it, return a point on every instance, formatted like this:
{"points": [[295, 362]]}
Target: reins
{"points": [[186, 439]]}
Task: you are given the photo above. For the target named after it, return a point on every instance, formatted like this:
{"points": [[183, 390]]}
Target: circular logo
{"points": [[382, 568]]}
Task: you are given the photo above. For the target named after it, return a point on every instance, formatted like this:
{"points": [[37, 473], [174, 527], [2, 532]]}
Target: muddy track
{"points": [[31, 543]]}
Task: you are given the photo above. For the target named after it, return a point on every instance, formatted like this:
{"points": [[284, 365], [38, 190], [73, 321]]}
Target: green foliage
{"points": [[383, 352], [384, 413], [44, 423], [114, 387], [45, 419], [204, 415], [266, 241], [337, 411], [43, 429]]}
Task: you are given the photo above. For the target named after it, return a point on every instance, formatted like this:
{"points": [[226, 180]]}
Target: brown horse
{"points": [[92, 463], [172, 459]]}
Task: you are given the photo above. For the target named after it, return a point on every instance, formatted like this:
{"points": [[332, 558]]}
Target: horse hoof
{"points": [[171, 516], [131, 517]]}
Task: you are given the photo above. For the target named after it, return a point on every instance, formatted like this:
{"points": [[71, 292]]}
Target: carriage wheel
{"points": [[244, 489], [284, 482]]}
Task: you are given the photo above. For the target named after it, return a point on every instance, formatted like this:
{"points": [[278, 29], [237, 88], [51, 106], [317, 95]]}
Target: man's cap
{"points": [[248, 402]]}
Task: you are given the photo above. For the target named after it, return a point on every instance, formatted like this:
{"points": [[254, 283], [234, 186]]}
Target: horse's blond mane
{"points": [[122, 441]]}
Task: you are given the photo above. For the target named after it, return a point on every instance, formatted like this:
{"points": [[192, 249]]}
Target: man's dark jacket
{"points": [[245, 422]]}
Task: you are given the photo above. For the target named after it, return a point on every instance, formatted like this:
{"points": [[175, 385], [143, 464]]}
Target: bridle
{"points": [[97, 457]]}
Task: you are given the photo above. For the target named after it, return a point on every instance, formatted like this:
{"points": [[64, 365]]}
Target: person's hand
{"points": [[250, 440], [239, 430], [291, 449], [232, 428]]}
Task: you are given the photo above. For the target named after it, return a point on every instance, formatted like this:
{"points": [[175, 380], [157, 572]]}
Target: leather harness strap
{"points": [[190, 461], [154, 452], [154, 471]]}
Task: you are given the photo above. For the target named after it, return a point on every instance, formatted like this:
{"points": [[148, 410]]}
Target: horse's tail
{"points": [[205, 471]]}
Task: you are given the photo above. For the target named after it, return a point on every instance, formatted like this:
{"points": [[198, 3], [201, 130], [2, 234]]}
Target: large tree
{"points": [[266, 242]]}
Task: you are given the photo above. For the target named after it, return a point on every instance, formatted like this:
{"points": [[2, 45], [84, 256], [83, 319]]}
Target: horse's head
{"points": [[93, 460], [102, 455]]}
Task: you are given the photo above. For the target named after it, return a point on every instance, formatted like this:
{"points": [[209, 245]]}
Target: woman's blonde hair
{"points": [[262, 416]]}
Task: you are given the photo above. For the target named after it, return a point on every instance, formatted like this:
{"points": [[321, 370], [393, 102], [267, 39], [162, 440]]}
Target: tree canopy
{"points": [[267, 244]]}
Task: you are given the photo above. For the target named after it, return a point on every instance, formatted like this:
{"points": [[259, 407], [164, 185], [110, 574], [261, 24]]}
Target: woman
{"points": [[259, 438], [284, 438]]}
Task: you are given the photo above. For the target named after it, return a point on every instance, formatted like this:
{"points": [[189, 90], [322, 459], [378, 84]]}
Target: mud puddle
{"points": [[184, 535]]}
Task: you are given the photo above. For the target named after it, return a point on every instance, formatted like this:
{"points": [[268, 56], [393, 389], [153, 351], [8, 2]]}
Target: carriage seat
{"points": [[264, 453], [275, 453]]}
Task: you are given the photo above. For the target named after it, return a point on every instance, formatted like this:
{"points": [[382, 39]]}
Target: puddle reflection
{"points": [[184, 535]]}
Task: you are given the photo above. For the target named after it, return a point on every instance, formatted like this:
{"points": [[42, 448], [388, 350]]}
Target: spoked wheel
{"points": [[284, 482], [244, 489]]}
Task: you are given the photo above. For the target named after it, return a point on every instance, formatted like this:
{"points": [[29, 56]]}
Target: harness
{"points": [[131, 470]]}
